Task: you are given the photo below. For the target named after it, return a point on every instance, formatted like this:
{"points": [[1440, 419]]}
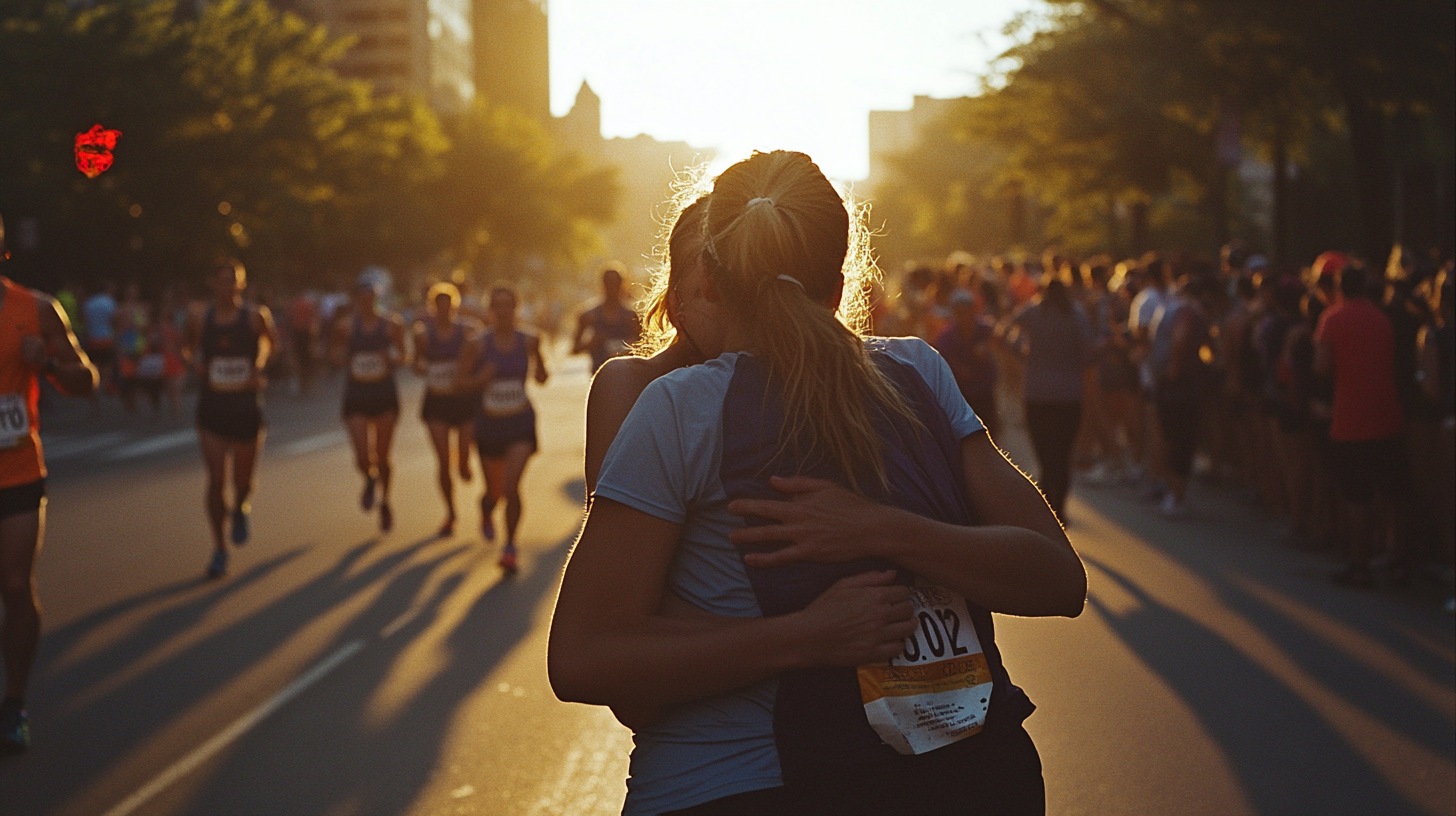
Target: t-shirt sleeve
{"points": [[937, 374], [645, 466]]}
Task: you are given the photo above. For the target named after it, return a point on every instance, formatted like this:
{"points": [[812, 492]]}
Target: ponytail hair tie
{"points": [[753, 201], [791, 279]]}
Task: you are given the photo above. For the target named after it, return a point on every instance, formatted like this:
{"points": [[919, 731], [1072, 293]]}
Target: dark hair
{"points": [[1353, 281], [1055, 294]]}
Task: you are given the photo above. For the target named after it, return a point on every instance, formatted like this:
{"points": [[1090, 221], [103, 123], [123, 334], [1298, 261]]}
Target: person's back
{"points": [[1362, 347], [1057, 345]]}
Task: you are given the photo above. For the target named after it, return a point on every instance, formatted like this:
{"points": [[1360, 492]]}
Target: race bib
{"points": [[229, 373], [505, 398], [14, 421], [440, 377], [936, 692], [151, 366], [368, 366]]}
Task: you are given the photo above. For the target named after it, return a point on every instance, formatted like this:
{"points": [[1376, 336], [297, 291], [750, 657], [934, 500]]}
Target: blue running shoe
{"points": [[14, 731], [507, 560], [218, 567], [240, 526]]}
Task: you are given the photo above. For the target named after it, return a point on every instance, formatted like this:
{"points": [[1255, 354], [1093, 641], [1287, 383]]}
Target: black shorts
{"points": [[22, 498], [1363, 468], [370, 401], [234, 417], [451, 409], [993, 773], [493, 435]]}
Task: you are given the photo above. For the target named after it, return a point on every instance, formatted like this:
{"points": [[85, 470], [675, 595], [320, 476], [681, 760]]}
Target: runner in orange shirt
{"points": [[35, 341]]}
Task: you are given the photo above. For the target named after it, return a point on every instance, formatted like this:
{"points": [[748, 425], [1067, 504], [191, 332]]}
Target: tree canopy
{"points": [[239, 137], [1127, 120]]}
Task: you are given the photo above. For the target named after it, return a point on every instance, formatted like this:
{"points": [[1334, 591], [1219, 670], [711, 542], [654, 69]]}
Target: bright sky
{"points": [[741, 75]]}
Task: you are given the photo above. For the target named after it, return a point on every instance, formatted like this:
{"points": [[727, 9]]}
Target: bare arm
{"points": [[614, 390], [577, 344], [609, 645], [1018, 561], [398, 354], [267, 337], [538, 362], [72, 373], [418, 362]]}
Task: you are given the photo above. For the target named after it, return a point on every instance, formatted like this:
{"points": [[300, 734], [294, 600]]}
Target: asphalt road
{"points": [[338, 671]]}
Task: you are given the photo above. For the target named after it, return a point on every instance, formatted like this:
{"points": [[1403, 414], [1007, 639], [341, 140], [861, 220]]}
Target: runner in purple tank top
{"points": [[500, 361]]}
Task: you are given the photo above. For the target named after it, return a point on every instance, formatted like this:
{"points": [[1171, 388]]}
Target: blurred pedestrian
{"points": [[966, 345], [609, 328], [1355, 343], [1054, 336]]}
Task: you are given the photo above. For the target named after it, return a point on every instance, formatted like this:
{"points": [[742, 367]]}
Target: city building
{"points": [[512, 55], [896, 132], [646, 169], [425, 46]]}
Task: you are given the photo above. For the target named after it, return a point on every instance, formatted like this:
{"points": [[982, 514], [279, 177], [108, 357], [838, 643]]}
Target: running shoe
{"points": [[386, 518], [240, 526], [14, 730], [367, 500], [447, 529], [507, 560], [218, 567]]}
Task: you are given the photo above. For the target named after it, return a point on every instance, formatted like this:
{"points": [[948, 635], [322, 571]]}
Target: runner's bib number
{"points": [[229, 373], [14, 420], [368, 366], [937, 691], [505, 398], [440, 377]]}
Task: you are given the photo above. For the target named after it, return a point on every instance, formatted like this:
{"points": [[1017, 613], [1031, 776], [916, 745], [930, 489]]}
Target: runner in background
{"points": [[35, 341], [611, 327], [439, 342], [500, 360], [98, 312], [370, 344], [303, 334], [228, 347]]}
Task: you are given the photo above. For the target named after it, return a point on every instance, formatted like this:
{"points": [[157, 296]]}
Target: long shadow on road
{"points": [[1270, 737], [124, 698], [335, 754]]}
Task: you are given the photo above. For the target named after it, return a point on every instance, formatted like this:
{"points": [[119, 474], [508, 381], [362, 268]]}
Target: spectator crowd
{"points": [[1324, 391]]}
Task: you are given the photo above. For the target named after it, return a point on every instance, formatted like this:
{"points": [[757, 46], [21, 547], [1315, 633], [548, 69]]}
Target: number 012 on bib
{"points": [[937, 691]]}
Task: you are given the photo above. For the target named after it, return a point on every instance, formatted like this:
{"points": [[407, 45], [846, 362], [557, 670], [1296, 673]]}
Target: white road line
{"points": [[241, 726], [155, 444], [309, 444], [77, 445]]}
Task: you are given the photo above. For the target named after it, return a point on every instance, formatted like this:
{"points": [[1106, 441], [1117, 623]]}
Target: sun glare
{"points": [[763, 74]]}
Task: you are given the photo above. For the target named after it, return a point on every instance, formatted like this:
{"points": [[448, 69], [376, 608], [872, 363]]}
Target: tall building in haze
{"points": [[426, 46], [512, 55]]}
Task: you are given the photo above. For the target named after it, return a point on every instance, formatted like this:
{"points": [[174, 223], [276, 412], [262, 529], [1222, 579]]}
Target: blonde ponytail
{"points": [[782, 245]]}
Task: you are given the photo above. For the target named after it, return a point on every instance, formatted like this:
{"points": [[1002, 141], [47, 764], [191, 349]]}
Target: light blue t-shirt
{"points": [[666, 462]]}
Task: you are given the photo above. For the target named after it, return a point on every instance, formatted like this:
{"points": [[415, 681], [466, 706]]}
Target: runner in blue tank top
{"points": [[505, 422], [440, 341], [370, 345], [852, 665]]}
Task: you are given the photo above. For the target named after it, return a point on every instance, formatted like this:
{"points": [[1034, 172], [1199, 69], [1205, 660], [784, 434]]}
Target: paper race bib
{"points": [[505, 398], [368, 366], [440, 377], [14, 421], [151, 366], [229, 373], [937, 691]]}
